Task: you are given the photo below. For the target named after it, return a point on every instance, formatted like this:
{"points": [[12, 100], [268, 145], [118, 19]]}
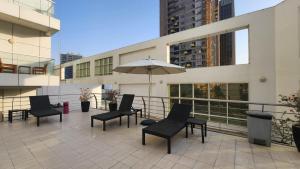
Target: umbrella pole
{"points": [[149, 92]]}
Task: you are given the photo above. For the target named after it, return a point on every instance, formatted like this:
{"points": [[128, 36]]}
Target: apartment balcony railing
{"points": [[45, 7], [24, 64]]}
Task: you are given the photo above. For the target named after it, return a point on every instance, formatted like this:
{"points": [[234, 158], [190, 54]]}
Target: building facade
{"points": [[26, 28], [273, 66], [180, 15], [68, 57]]}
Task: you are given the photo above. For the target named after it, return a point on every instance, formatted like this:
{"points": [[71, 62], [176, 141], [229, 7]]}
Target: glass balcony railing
{"points": [[45, 7], [24, 64]]}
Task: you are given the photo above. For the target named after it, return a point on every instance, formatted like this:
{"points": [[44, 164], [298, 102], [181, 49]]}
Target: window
{"points": [[69, 72], [83, 69], [103, 66], [219, 110]]}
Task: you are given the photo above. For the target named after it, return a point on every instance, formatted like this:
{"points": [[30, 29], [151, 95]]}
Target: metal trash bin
{"points": [[259, 127]]}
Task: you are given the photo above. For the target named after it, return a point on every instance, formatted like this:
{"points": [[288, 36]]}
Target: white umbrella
{"points": [[151, 67]]}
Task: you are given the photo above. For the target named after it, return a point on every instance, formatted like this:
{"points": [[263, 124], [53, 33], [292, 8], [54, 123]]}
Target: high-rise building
{"points": [[68, 57], [227, 41], [180, 15]]}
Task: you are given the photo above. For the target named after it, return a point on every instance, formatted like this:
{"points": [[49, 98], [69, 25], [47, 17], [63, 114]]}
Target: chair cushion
{"points": [[148, 122], [165, 128], [107, 116], [44, 113]]}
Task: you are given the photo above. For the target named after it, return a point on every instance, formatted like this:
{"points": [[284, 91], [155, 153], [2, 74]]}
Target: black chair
{"points": [[41, 107], [169, 127], [124, 110]]}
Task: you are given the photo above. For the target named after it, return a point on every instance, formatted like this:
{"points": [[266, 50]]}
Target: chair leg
{"points": [[60, 117], [10, 116], [186, 131], [192, 128], [143, 138], [120, 123], [202, 133], [141, 113], [104, 126], [205, 125], [169, 145], [38, 121], [136, 118], [92, 122], [128, 121]]}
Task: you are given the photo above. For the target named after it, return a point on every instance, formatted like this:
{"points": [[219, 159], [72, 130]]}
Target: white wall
{"points": [[273, 54]]}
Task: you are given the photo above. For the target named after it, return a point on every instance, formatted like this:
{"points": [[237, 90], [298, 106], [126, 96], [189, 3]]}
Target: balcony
{"points": [[36, 14], [22, 70]]}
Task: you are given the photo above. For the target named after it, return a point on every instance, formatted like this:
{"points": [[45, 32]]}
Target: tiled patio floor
{"points": [[74, 144]]}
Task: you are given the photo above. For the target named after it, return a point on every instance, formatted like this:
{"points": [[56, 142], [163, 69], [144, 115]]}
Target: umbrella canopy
{"points": [[151, 67], [146, 66]]}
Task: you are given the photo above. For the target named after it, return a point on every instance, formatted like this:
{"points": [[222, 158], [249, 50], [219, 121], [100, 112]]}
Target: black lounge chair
{"points": [[169, 127], [124, 110], [41, 107]]}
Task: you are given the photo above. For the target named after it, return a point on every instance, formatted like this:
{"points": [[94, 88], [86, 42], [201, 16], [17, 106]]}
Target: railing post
{"points": [[263, 108], [96, 100], [227, 113], [144, 107], [164, 109], [105, 104]]}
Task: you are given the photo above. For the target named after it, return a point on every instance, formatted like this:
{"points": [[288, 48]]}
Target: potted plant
{"points": [[112, 97], [293, 114], [85, 96]]}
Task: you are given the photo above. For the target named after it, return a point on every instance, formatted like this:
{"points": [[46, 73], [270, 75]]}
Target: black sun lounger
{"points": [[41, 107], [124, 109], [169, 127]]}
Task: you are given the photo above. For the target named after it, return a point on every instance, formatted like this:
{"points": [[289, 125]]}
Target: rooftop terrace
{"points": [[74, 144]]}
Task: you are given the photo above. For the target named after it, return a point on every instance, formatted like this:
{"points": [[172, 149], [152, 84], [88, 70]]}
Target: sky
{"points": [[94, 26]]}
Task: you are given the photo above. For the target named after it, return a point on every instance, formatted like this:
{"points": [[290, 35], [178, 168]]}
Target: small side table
{"points": [[203, 123], [24, 114]]}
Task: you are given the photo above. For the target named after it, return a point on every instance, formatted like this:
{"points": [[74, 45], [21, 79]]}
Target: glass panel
{"points": [[218, 91], [201, 90], [174, 90], [238, 91], [218, 108], [201, 107], [237, 110], [186, 90], [200, 116], [185, 101]]}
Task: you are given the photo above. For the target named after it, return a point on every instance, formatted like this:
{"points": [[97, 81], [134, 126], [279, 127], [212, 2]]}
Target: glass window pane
{"points": [[201, 107], [185, 101], [218, 108], [186, 90], [174, 90], [238, 91], [218, 91], [201, 91]]}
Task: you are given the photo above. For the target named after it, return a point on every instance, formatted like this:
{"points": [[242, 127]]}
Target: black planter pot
{"points": [[85, 106], [113, 106], [296, 135]]}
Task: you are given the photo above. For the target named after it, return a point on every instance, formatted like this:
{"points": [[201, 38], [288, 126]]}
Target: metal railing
{"points": [[228, 122], [45, 7], [231, 117], [25, 64]]}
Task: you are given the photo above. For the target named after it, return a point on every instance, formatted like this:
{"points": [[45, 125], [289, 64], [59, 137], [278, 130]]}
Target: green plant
{"points": [[85, 94], [282, 125], [112, 95]]}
